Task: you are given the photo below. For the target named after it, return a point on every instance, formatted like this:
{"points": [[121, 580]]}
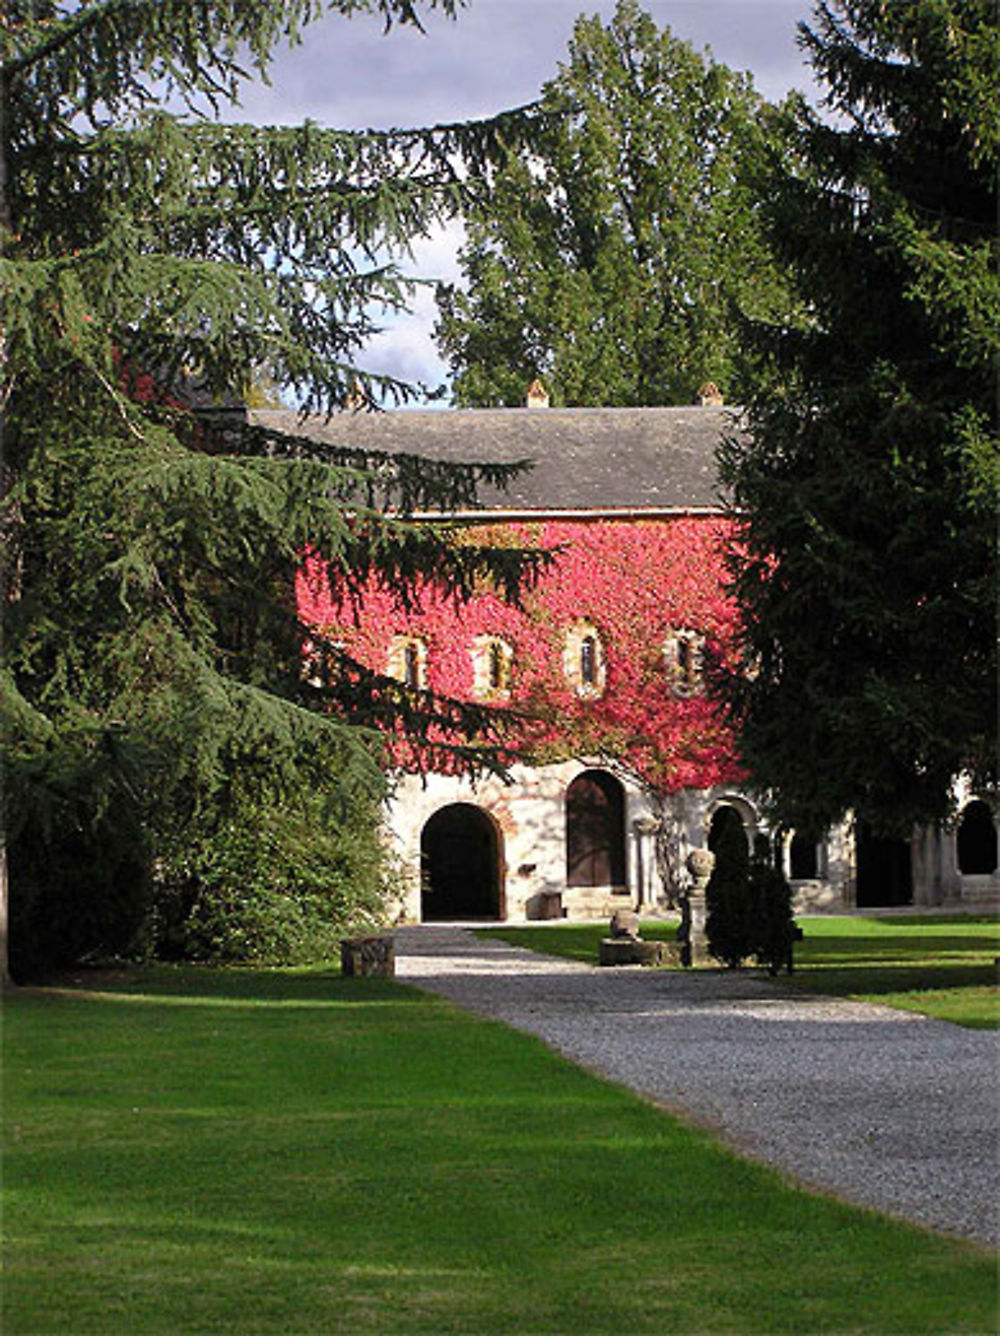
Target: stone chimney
{"points": [[538, 395], [709, 395]]}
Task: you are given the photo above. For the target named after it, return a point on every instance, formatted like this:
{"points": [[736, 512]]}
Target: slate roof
{"points": [[595, 460]]}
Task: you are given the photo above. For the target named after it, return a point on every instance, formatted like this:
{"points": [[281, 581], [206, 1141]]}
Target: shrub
{"points": [[770, 907], [272, 883]]}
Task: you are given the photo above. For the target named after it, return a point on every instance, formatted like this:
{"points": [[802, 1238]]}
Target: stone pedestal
{"points": [[372, 957], [700, 863], [632, 951]]}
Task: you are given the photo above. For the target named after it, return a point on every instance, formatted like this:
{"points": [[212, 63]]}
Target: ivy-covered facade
{"points": [[619, 759]]}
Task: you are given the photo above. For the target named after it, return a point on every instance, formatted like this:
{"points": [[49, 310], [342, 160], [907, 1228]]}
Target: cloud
{"points": [[497, 54]]}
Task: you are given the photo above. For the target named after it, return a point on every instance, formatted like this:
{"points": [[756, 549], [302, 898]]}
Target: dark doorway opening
{"points": [[977, 840], [803, 858], [460, 865], [726, 819], [884, 869], [595, 831]]}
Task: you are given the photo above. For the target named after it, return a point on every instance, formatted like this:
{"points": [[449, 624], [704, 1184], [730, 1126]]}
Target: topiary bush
{"points": [[729, 918], [771, 907]]}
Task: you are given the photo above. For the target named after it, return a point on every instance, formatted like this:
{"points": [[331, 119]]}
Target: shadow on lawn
{"points": [[946, 949], [318, 984], [871, 977]]}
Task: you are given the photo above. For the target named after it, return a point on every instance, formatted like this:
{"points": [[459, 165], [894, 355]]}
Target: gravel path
{"points": [[881, 1107]]}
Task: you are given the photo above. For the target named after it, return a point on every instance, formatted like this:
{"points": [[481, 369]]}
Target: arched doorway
{"points": [[726, 822], [460, 865], [595, 831], [884, 869]]}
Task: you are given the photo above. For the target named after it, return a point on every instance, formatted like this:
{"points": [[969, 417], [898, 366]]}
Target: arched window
{"points": [[407, 661], [583, 660], [411, 666], [595, 831], [682, 660], [588, 661], [977, 840], [496, 667], [492, 662]]}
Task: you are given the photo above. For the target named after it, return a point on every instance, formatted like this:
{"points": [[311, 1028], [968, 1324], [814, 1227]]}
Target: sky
{"points": [[495, 55]]}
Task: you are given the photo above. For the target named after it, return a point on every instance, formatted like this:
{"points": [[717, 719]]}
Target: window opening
{"points": [[682, 654], [802, 857], [496, 666], [588, 661], [411, 666]]}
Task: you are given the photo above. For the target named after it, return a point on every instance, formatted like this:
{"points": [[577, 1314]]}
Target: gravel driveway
{"points": [[881, 1107]]}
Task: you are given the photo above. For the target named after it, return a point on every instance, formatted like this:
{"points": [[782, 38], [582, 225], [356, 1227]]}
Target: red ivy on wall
{"points": [[635, 582]]}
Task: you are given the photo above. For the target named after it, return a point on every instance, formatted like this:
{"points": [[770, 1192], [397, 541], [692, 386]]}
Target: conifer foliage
{"points": [[153, 262], [867, 484], [770, 897]]}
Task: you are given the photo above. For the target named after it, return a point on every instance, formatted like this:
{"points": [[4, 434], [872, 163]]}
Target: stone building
{"points": [[631, 765]]}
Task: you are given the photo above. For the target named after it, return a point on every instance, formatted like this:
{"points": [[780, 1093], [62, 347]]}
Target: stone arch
{"points": [[743, 809], [595, 830], [461, 865], [976, 840]]}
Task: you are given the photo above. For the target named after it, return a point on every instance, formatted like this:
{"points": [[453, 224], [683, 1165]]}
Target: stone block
{"points": [[617, 951], [633, 951], [658, 954], [371, 957]]}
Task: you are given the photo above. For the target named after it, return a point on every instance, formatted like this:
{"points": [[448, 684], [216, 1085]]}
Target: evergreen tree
{"points": [[728, 921], [153, 262], [866, 486], [605, 260]]}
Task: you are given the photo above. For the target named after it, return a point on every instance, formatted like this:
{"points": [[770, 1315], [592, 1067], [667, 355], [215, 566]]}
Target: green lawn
{"points": [[292, 1152], [941, 966]]}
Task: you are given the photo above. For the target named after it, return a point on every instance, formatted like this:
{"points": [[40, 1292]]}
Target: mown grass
{"points": [[292, 1152], [941, 966]]}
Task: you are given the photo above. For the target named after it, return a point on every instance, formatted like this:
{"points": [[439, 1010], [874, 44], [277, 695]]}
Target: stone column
{"points": [[645, 827], [699, 863]]}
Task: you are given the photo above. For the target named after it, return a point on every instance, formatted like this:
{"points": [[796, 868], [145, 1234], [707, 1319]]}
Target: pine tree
{"points": [[866, 485], [606, 259], [153, 263]]}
